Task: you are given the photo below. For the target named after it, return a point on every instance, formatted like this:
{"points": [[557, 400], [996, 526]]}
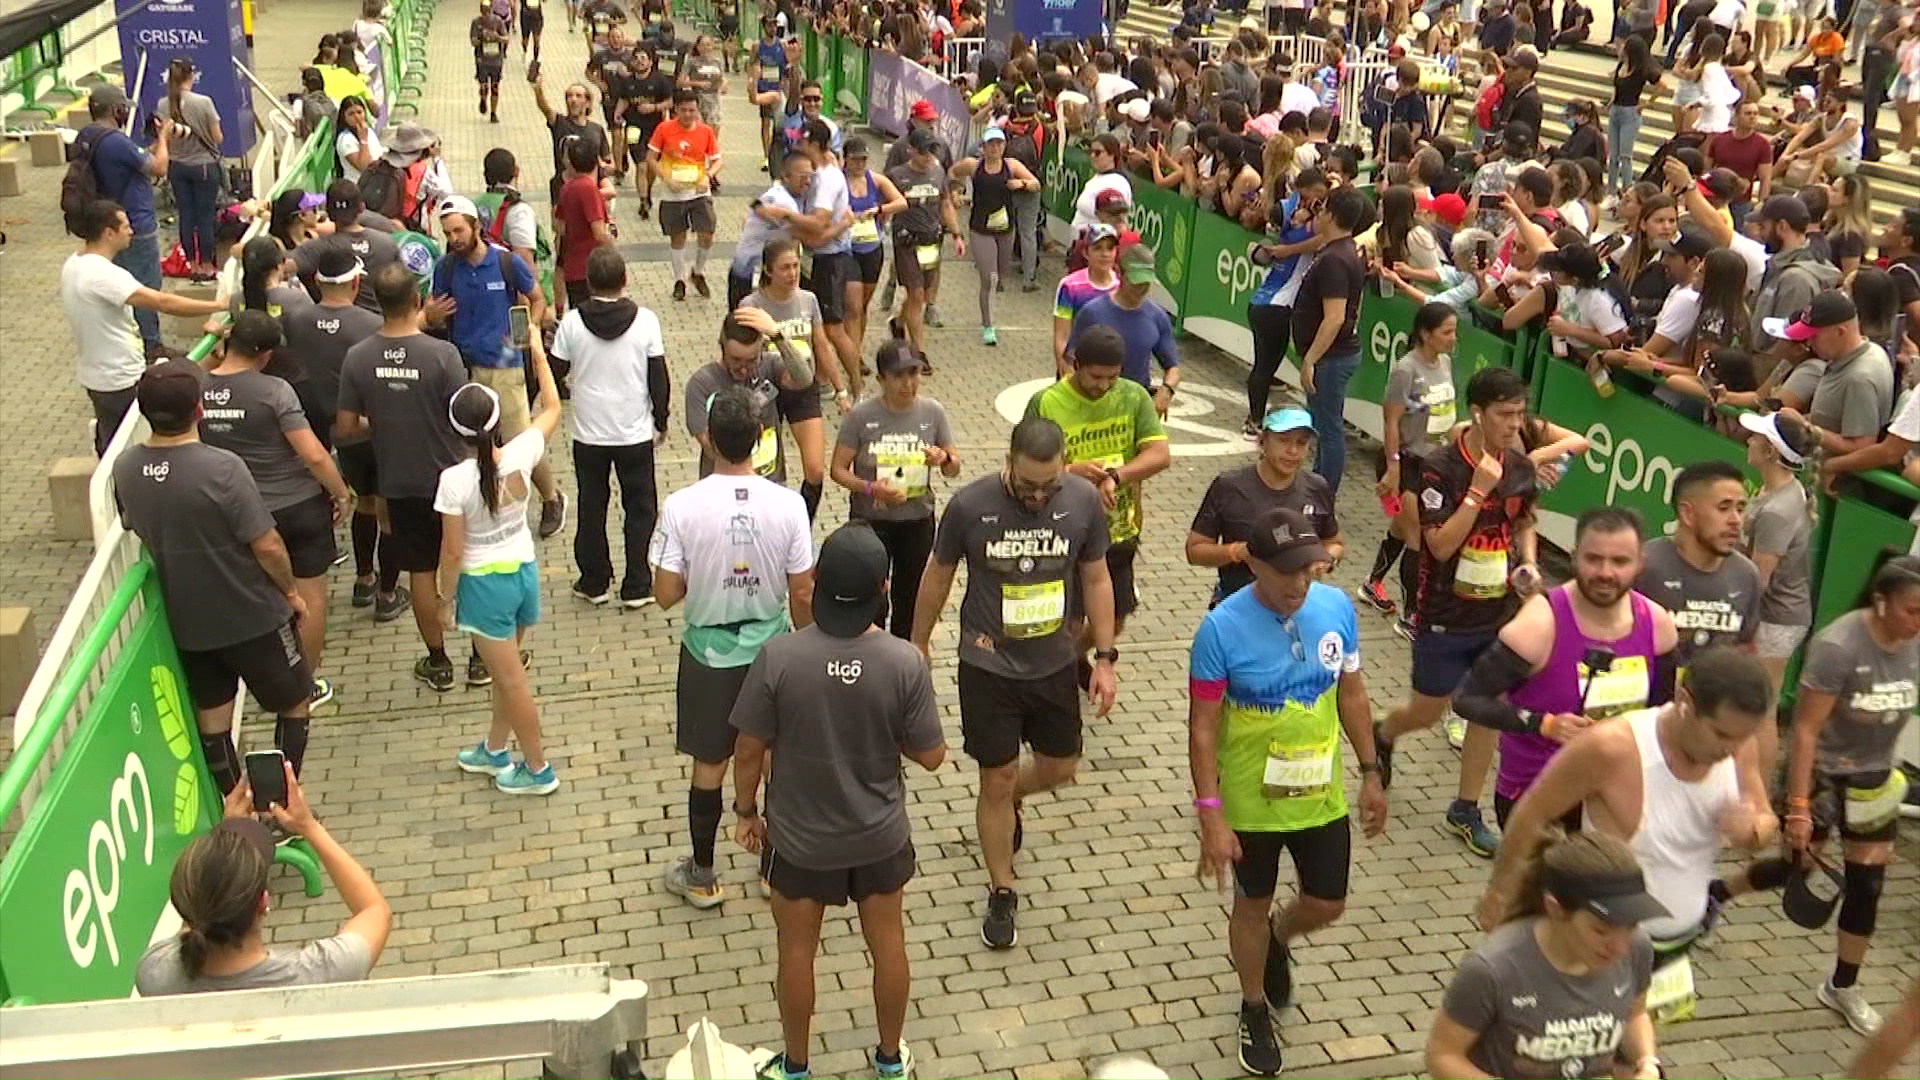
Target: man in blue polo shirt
{"points": [[475, 286], [1141, 323], [124, 173]]}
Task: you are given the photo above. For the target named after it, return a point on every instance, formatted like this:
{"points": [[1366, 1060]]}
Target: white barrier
{"points": [[959, 55]]}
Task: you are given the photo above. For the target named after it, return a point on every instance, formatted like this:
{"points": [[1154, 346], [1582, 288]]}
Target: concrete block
{"points": [[9, 176], [77, 115], [19, 651], [48, 147], [67, 484]]}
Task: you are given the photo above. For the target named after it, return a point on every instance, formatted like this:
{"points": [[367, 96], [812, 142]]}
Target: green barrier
{"points": [[851, 80], [1220, 279], [1842, 574], [83, 884], [1164, 221], [824, 65], [1062, 180]]}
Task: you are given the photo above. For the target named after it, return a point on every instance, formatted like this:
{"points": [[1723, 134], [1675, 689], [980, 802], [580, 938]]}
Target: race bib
{"points": [[1481, 574], [530, 5], [766, 452], [490, 48], [865, 231], [997, 221], [1032, 611], [684, 173], [633, 135], [1671, 985], [1623, 687], [927, 255], [904, 469], [1293, 773], [1868, 809], [654, 18], [1440, 409]]}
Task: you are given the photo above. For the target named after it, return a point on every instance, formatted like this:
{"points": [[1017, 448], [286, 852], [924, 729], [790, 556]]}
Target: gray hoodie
{"points": [[1792, 280]]}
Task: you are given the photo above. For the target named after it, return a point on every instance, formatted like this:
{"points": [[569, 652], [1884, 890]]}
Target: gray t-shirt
{"points": [[1800, 383], [1536, 1021], [892, 446], [250, 413], [920, 222], [1777, 524], [1023, 572], [197, 510], [770, 455], [320, 336], [344, 958], [1427, 392], [1874, 691], [373, 249], [1854, 397], [838, 712], [797, 316], [402, 386], [1718, 608], [198, 114]]}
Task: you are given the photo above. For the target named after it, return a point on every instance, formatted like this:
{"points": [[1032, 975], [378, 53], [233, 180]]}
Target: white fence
{"points": [[960, 54]]}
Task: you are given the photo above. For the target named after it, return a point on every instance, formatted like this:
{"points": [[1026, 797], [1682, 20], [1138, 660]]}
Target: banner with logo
{"points": [[850, 84], [1164, 221], [84, 883], [1042, 21], [895, 83], [208, 32], [1220, 279], [1062, 177]]}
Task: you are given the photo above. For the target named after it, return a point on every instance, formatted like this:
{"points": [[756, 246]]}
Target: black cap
{"points": [[1788, 209], [849, 581], [1025, 103], [1689, 242], [1286, 540], [1618, 899], [168, 393], [1523, 58], [922, 140], [343, 200], [1577, 261]]}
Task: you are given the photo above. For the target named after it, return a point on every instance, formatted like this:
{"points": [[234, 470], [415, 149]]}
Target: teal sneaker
{"points": [[776, 1069], [1464, 821], [989, 336], [478, 759], [520, 780], [898, 1069]]}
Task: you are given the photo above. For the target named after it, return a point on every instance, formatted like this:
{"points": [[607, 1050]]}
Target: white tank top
{"points": [[1679, 832]]}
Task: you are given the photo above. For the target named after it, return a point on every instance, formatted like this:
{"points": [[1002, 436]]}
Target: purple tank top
{"points": [[1559, 687]]}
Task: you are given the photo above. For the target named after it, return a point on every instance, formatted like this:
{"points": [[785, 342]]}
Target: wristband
{"points": [[1797, 802], [1211, 803], [1476, 493]]}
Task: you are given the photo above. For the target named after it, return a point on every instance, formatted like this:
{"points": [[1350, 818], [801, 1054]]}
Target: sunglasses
{"points": [[814, 99]]}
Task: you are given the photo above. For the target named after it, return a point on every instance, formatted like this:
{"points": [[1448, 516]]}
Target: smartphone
{"points": [[1153, 138], [1483, 253], [518, 323], [267, 776]]}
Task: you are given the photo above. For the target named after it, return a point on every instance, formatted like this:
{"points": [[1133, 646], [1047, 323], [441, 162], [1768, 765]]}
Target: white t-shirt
{"points": [[757, 232], [1726, 14], [520, 229], [1083, 206], [1592, 309], [611, 405], [108, 352], [1677, 316], [1108, 85], [1717, 98], [734, 539], [1298, 97], [1574, 213], [1756, 255], [498, 536], [349, 143]]}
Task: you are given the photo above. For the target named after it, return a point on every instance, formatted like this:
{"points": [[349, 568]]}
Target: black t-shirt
{"points": [[1236, 499], [402, 386], [1477, 599], [1337, 273], [373, 249], [563, 127], [652, 88], [1905, 271], [1523, 106]]}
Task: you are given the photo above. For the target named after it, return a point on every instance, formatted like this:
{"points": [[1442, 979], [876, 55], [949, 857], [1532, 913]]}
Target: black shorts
{"points": [[997, 714], [729, 26], [835, 888], [798, 405], [703, 709], [532, 22], [870, 265], [1570, 821], [906, 263], [829, 285], [306, 528], [1441, 659], [687, 215], [488, 71], [272, 665], [1120, 568], [637, 148], [416, 535], [1322, 858], [358, 467], [1829, 802]]}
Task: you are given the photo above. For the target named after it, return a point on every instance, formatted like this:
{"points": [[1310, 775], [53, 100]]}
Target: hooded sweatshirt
{"points": [[1792, 280], [609, 321]]}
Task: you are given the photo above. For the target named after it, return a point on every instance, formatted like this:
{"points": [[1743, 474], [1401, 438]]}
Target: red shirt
{"points": [[684, 153], [580, 206], [1743, 154]]}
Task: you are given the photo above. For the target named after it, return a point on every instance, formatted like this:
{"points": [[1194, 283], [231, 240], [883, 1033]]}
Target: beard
{"points": [[1600, 593]]}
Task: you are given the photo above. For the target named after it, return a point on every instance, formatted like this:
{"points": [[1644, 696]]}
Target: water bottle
{"points": [[1601, 378]]}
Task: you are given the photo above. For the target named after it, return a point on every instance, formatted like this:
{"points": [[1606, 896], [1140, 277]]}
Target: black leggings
{"points": [[1271, 328], [908, 544]]}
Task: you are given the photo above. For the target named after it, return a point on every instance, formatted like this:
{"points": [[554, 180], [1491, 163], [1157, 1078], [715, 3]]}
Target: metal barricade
{"points": [[1212, 49], [959, 55], [1359, 75]]}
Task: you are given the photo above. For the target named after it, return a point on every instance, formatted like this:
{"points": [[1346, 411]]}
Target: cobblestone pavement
{"points": [[1120, 949]]}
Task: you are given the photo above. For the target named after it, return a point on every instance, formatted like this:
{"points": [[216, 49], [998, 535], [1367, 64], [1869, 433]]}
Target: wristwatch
{"points": [[751, 811], [1113, 474], [1111, 656]]}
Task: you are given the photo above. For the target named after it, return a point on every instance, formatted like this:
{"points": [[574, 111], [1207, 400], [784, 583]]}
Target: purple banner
{"points": [[209, 33], [894, 84]]}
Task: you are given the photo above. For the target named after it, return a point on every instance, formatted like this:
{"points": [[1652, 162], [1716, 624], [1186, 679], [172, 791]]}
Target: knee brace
{"points": [[1860, 902]]}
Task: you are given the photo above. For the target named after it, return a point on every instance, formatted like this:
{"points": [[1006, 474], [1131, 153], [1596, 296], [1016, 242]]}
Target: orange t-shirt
{"points": [[1828, 44], [684, 153]]}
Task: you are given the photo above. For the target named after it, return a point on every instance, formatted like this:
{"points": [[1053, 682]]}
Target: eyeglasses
{"points": [[1027, 488], [1293, 631], [813, 99]]}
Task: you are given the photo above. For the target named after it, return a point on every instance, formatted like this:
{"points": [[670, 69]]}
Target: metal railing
{"points": [[60, 61], [958, 55]]}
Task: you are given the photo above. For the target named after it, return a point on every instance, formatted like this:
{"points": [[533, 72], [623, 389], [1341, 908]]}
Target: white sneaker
{"points": [[1853, 1008], [1897, 157]]}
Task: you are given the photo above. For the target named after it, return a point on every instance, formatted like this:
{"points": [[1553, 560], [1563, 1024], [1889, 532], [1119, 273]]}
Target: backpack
{"points": [[394, 192], [80, 186], [493, 224], [1029, 148]]}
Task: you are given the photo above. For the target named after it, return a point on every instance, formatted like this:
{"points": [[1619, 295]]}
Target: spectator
{"points": [[315, 105], [102, 299], [1323, 325], [1854, 398], [1849, 224], [1142, 324], [1584, 137], [294, 217], [1634, 75], [1496, 27], [1900, 247], [124, 174], [1832, 145], [1794, 274], [219, 888], [1105, 156], [1749, 154], [582, 221], [194, 165], [356, 142], [1520, 98], [1589, 318]]}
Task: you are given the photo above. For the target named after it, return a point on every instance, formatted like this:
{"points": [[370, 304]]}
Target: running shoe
{"points": [[520, 780], [1910, 806], [634, 599], [1277, 977], [646, 207], [700, 285], [896, 329], [989, 336], [1852, 1007], [596, 597], [477, 673], [697, 886], [1383, 754], [1456, 730], [553, 514], [438, 675], [363, 594], [389, 609], [998, 929], [478, 759], [1375, 595], [679, 290], [1031, 286], [1404, 628], [1259, 1048], [931, 317], [900, 1067], [322, 692], [340, 555], [1250, 429], [776, 1069], [1464, 820]]}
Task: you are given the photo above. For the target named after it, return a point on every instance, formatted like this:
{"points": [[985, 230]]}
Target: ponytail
{"points": [[179, 73], [474, 411]]}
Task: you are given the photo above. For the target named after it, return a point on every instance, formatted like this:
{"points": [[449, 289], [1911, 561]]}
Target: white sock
{"points": [[677, 257], [700, 258]]}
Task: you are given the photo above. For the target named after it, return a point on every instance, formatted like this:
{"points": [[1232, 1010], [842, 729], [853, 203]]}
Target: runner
{"points": [[1579, 653], [395, 387], [872, 200], [576, 123], [489, 36], [851, 701], [1677, 783], [256, 414], [793, 321], [533, 21], [728, 14], [645, 97], [1274, 682], [602, 17], [1471, 503], [769, 70], [929, 217], [1857, 693], [1142, 324], [1081, 287], [756, 355], [1237, 498], [703, 73], [373, 248], [824, 229], [487, 565], [1415, 416], [1560, 989], [1034, 540], [738, 549], [996, 178], [685, 154], [766, 221], [888, 447]]}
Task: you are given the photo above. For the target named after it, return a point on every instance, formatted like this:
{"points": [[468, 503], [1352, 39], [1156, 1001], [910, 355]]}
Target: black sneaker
{"points": [[679, 290], [553, 514], [1259, 1049], [389, 610], [1277, 978], [997, 929], [646, 207], [477, 673], [1383, 753], [700, 285], [437, 675], [363, 594]]}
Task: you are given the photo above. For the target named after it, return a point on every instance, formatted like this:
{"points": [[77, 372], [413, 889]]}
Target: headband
{"points": [[493, 416]]}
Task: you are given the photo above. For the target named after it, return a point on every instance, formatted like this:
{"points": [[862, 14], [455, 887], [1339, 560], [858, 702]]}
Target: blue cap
{"points": [[1280, 420]]}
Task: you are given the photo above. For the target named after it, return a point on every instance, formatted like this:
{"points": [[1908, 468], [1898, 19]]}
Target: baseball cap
{"points": [[1285, 540], [1577, 261], [108, 94], [1025, 103], [1689, 242], [1788, 209], [311, 201], [1284, 420], [1618, 899], [848, 581], [1719, 183], [1136, 265], [993, 134], [1524, 58], [1099, 231], [1395, 52], [1109, 200], [923, 110], [168, 393], [1828, 309], [922, 140], [1136, 110], [458, 204], [1450, 208], [1806, 92], [1767, 426]]}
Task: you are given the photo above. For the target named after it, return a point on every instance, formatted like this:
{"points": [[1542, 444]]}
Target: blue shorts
{"points": [[495, 606], [1440, 659]]}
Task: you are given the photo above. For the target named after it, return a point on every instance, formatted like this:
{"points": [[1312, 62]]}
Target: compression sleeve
{"points": [[1666, 675], [1482, 697]]}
